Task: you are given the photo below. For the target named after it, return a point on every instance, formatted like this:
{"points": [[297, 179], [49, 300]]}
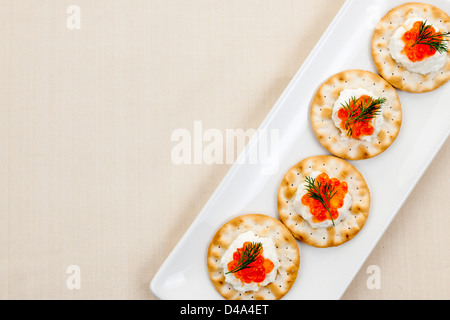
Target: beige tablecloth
{"points": [[90, 96]]}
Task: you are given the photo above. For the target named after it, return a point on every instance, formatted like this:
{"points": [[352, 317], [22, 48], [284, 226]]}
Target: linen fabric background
{"points": [[86, 175]]}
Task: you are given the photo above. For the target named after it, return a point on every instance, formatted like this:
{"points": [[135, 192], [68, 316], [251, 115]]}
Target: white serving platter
{"points": [[252, 187]]}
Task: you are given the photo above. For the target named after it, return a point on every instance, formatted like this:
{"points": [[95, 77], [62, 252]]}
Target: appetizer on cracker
{"points": [[410, 47], [324, 201], [253, 257], [356, 114]]}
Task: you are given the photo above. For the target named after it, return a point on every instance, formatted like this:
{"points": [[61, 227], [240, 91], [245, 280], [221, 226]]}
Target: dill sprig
{"points": [[249, 255], [435, 40], [363, 111], [320, 192]]}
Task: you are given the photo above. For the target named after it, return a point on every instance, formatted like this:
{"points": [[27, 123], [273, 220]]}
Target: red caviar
{"points": [[417, 52], [317, 209], [358, 128], [255, 271]]}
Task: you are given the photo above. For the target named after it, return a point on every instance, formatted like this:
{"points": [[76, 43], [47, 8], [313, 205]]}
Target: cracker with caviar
{"points": [[356, 114], [324, 201], [410, 47], [253, 257]]}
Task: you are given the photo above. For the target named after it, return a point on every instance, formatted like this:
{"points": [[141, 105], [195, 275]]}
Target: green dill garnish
{"points": [[359, 110], [249, 255], [435, 40], [320, 192]]}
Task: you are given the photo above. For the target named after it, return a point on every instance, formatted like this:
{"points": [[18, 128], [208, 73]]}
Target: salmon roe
{"points": [[317, 209], [359, 128], [255, 271], [417, 52]]}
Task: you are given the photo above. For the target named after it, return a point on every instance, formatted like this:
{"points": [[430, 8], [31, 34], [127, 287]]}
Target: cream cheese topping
{"points": [[345, 96], [425, 66], [303, 210], [269, 252]]}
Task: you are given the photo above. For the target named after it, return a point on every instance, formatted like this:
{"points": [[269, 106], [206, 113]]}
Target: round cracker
{"points": [[389, 69], [263, 226], [344, 230], [330, 136]]}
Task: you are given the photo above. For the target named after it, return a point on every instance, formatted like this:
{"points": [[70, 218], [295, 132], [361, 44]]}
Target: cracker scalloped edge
{"points": [[393, 72], [343, 231], [263, 226]]}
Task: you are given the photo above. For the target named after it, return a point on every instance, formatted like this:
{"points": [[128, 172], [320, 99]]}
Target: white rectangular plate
{"points": [[248, 188]]}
